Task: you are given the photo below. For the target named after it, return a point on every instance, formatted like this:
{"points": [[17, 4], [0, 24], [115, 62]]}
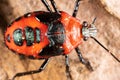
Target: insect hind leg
{"points": [[42, 67], [84, 61], [69, 76], [46, 5]]}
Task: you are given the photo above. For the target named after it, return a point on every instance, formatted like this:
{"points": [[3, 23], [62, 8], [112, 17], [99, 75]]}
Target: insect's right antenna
{"points": [[106, 49], [103, 45], [94, 20]]}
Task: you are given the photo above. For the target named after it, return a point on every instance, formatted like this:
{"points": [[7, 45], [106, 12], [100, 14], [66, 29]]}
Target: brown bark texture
{"points": [[104, 65]]}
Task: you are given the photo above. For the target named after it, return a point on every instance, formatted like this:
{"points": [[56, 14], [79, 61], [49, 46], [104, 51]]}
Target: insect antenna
{"points": [[94, 20], [106, 49], [102, 44]]}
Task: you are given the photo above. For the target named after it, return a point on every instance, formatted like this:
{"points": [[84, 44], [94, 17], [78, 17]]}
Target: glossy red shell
{"points": [[22, 23], [72, 31]]}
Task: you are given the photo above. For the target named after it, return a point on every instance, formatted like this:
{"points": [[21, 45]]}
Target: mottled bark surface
{"points": [[105, 67]]}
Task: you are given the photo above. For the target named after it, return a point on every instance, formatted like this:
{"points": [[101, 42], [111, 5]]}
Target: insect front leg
{"points": [[46, 5], [42, 67], [77, 3], [54, 6], [84, 61]]}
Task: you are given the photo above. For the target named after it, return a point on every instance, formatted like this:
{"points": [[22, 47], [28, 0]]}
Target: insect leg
{"points": [[106, 49], [46, 5], [76, 8], [69, 76], [42, 67], [84, 61], [54, 6]]}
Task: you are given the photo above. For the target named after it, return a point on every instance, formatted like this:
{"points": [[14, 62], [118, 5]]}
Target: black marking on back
{"points": [[47, 17], [52, 51], [29, 34], [17, 36], [56, 33]]}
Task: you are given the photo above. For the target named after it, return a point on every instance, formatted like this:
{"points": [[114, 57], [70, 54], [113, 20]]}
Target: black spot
{"points": [[47, 17], [29, 34], [17, 36]]}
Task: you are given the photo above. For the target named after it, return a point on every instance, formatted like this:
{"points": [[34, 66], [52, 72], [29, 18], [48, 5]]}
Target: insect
{"points": [[42, 35]]}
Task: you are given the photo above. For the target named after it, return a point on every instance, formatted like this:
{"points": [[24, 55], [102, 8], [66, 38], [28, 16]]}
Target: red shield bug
{"points": [[42, 35]]}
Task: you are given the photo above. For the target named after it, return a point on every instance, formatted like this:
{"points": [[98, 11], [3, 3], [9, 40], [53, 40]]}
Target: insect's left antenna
{"points": [[106, 49]]}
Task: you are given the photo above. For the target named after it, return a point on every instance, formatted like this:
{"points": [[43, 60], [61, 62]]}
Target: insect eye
{"points": [[17, 36], [85, 24]]}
